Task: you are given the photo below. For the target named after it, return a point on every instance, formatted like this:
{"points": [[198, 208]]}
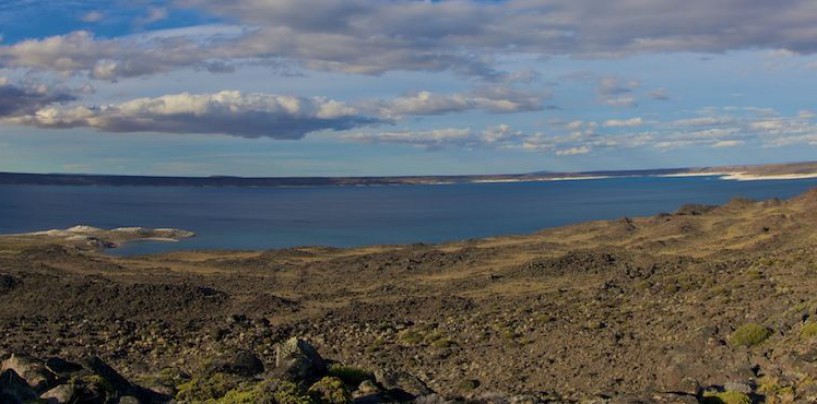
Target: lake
{"points": [[263, 218]]}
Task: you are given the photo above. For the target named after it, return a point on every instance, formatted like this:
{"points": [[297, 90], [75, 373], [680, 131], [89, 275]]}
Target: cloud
{"points": [[25, 99], [374, 37], [491, 137], [623, 123], [728, 143], [617, 92], [112, 59], [226, 112], [492, 99], [659, 94], [154, 14], [703, 121], [92, 16], [715, 128], [573, 151]]}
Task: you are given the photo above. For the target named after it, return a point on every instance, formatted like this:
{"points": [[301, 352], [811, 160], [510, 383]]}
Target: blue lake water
{"points": [[262, 218]]}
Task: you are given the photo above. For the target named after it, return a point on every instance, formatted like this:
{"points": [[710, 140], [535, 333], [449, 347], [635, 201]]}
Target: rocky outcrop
{"points": [[25, 378], [96, 238]]}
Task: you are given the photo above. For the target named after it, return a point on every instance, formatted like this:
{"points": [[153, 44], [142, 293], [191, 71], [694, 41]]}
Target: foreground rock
{"points": [[25, 378]]}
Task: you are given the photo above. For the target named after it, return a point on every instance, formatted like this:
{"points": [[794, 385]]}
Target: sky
{"points": [[403, 87]]}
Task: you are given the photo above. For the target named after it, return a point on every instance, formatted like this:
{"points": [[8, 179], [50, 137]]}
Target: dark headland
{"points": [[709, 304]]}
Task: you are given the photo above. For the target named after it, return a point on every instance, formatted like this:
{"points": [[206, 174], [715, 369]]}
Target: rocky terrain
{"points": [[709, 304]]}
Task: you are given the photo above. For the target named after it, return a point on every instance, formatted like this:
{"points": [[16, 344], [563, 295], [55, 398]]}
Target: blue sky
{"points": [[362, 87]]}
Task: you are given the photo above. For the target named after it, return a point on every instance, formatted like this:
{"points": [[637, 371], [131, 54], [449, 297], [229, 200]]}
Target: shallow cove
{"points": [[263, 218]]}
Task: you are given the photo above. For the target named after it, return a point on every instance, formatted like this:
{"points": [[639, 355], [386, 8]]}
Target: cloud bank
{"points": [[374, 37], [226, 112]]}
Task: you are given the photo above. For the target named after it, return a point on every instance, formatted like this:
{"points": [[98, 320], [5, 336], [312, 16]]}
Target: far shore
{"points": [[753, 177]]}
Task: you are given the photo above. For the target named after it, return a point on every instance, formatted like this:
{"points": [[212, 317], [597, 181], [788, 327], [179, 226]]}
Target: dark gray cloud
{"points": [[374, 37], [17, 100]]}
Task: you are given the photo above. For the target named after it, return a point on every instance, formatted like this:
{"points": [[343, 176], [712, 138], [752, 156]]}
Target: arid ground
{"points": [[632, 309]]}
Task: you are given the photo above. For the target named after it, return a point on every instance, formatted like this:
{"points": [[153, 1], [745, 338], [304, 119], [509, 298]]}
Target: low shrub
{"points": [[749, 335], [809, 330]]}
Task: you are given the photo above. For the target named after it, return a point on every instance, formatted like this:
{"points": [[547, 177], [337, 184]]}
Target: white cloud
{"points": [[623, 123], [492, 99], [703, 121], [728, 143], [226, 112], [491, 137], [806, 114], [573, 151]]}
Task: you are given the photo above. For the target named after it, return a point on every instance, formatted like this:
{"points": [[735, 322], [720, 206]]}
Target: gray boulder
{"points": [[65, 393], [296, 360], [738, 386]]}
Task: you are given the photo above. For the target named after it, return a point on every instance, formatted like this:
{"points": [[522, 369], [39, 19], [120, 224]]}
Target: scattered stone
{"points": [[368, 387], [296, 359], [740, 387], [402, 381]]}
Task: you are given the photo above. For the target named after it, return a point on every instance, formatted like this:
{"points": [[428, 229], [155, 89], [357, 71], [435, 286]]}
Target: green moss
{"points": [[270, 391], [167, 377], [94, 386], [330, 390], [411, 337], [287, 393], [443, 342], [809, 330], [749, 335], [245, 397], [350, 375], [376, 345], [206, 388], [727, 397]]}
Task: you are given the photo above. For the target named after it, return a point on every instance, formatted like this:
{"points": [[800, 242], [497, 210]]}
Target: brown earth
{"points": [[601, 309]]}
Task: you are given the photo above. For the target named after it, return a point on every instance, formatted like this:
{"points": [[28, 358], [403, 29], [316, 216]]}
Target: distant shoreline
{"points": [[792, 171]]}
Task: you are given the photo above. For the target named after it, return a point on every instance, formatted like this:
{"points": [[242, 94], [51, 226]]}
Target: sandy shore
{"points": [[753, 177]]}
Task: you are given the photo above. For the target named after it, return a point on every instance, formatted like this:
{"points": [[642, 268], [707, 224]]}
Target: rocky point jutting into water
{"points": [[711, 304]]}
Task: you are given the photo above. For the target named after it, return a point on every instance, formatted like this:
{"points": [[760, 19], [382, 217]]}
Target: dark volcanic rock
{"points": [[14, 389], [242, 363], [8, 283]]}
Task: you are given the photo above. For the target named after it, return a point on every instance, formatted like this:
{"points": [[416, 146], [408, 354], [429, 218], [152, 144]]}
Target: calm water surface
{"points": [[261, 218]]}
